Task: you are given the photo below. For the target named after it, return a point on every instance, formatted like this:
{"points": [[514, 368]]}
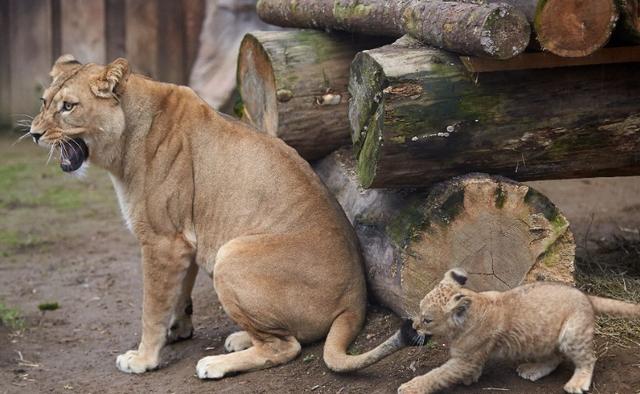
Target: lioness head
{"points": [[443, 311], [81, 109]]}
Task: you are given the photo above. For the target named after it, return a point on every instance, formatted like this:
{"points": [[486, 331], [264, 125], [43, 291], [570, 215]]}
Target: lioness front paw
{"points": [[133, 362], [212, 367]]}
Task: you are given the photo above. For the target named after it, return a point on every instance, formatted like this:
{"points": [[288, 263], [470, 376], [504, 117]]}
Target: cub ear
{"points": [[65, 63], [458, 307], [112, 82], [456, 276]]}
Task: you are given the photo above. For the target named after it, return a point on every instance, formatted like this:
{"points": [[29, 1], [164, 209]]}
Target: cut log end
{"points": [[505, 33], [570, 28], [257, 85], [501, 232]]}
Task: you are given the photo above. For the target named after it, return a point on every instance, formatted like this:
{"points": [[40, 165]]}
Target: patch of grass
{"points": [[14, 240], [613, 270], [61, 197], [11, 318]]}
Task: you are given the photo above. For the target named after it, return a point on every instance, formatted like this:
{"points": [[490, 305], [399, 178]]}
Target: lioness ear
{"points": [[112, 82], [456, 276], [64, 64], [458, 307]]}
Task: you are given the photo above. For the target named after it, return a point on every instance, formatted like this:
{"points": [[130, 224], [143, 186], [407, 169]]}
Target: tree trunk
{"points": [[502, 232], [570, 28], [294, 86], [490, 30], [417, 117], [628, 28]]}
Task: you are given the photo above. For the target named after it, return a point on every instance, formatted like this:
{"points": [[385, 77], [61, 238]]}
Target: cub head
{"points": [[81, 112], [444, 310]]}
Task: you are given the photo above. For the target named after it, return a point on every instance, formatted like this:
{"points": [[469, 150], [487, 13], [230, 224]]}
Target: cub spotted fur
{"points": [[539, 323], [202, 191]]}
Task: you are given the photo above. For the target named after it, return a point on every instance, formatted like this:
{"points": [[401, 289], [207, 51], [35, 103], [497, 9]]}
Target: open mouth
{"points": [[73, 153]]}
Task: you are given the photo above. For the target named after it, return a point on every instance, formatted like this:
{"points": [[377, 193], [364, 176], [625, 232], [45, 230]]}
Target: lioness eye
{"points": [[67, 106], [426, 321]]}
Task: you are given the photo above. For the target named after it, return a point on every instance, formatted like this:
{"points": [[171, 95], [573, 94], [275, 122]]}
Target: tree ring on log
{"points": [[574, 28]]}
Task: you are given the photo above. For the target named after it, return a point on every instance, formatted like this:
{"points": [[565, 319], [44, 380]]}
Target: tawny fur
{"points": [[539, 324], [201, 190]]}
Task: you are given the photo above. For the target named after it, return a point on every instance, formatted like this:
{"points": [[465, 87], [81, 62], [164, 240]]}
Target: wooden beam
{"points": [[5, 69], [83, 30], [31, 50], [538, 60], [115, 34], [142, 39]]}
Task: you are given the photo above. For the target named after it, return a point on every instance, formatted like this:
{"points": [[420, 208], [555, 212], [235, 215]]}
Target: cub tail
{"points": [[342, 334], [610, 307]]}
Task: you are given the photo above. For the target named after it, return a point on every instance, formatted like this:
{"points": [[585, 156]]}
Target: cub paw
{"points": [[211, 367], [576, 388], [237, 341], [410, 387], [133, 362]]}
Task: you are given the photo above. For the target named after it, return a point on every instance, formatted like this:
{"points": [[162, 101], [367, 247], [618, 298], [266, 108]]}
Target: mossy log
{"points": [[628, 27], [418, 116], [502, 232], [570, 28], [488, 30], [293, 86]]}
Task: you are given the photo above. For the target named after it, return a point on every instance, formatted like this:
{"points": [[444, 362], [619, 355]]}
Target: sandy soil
{"points": [[62, 240]]}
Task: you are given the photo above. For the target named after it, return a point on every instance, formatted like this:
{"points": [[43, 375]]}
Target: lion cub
{"points": [[539, 323]]}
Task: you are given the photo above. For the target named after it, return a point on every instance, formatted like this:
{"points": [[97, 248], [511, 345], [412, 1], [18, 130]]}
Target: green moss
{"points": [[501, 197], [407, 224], [368, 156], [452, 207], [344, 13], [540, 203]]}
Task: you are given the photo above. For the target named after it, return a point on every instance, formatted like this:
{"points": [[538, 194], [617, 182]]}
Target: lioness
{"points": [[539, 323], [200, 190]]}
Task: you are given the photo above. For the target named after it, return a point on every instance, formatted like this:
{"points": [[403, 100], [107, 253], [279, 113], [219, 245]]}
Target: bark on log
{"points": [[490, 30], [628, 27], [418, 117], [570, 28], [293, 86], [502, 232]]}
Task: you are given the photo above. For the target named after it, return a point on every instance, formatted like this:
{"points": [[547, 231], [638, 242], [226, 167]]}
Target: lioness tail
{"points": [[607, 306], [342, 333]]}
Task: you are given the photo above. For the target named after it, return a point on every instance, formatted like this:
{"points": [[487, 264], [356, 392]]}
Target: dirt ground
{"points": [[62, 240]]}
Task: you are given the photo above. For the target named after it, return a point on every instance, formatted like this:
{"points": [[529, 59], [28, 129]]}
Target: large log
{"points": [[570, 28], [502, 232], [294, 86], [490, 30], [418, 116]]}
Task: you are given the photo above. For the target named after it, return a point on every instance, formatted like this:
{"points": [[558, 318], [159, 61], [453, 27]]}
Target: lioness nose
{"points": [[36, 136]]}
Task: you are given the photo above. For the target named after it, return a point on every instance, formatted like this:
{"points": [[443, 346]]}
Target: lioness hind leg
{"points": [[181, 327], [265, 353], [535, 371], [237, 341]]}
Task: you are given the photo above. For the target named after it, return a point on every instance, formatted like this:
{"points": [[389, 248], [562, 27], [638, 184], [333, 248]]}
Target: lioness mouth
{"points": [[73, 153]]}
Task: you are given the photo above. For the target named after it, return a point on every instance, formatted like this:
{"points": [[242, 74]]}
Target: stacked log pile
{"points": [[423, 129]]}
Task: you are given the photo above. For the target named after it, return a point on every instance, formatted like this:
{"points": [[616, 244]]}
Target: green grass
{"points": [[11, 318], [11, 240]]}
